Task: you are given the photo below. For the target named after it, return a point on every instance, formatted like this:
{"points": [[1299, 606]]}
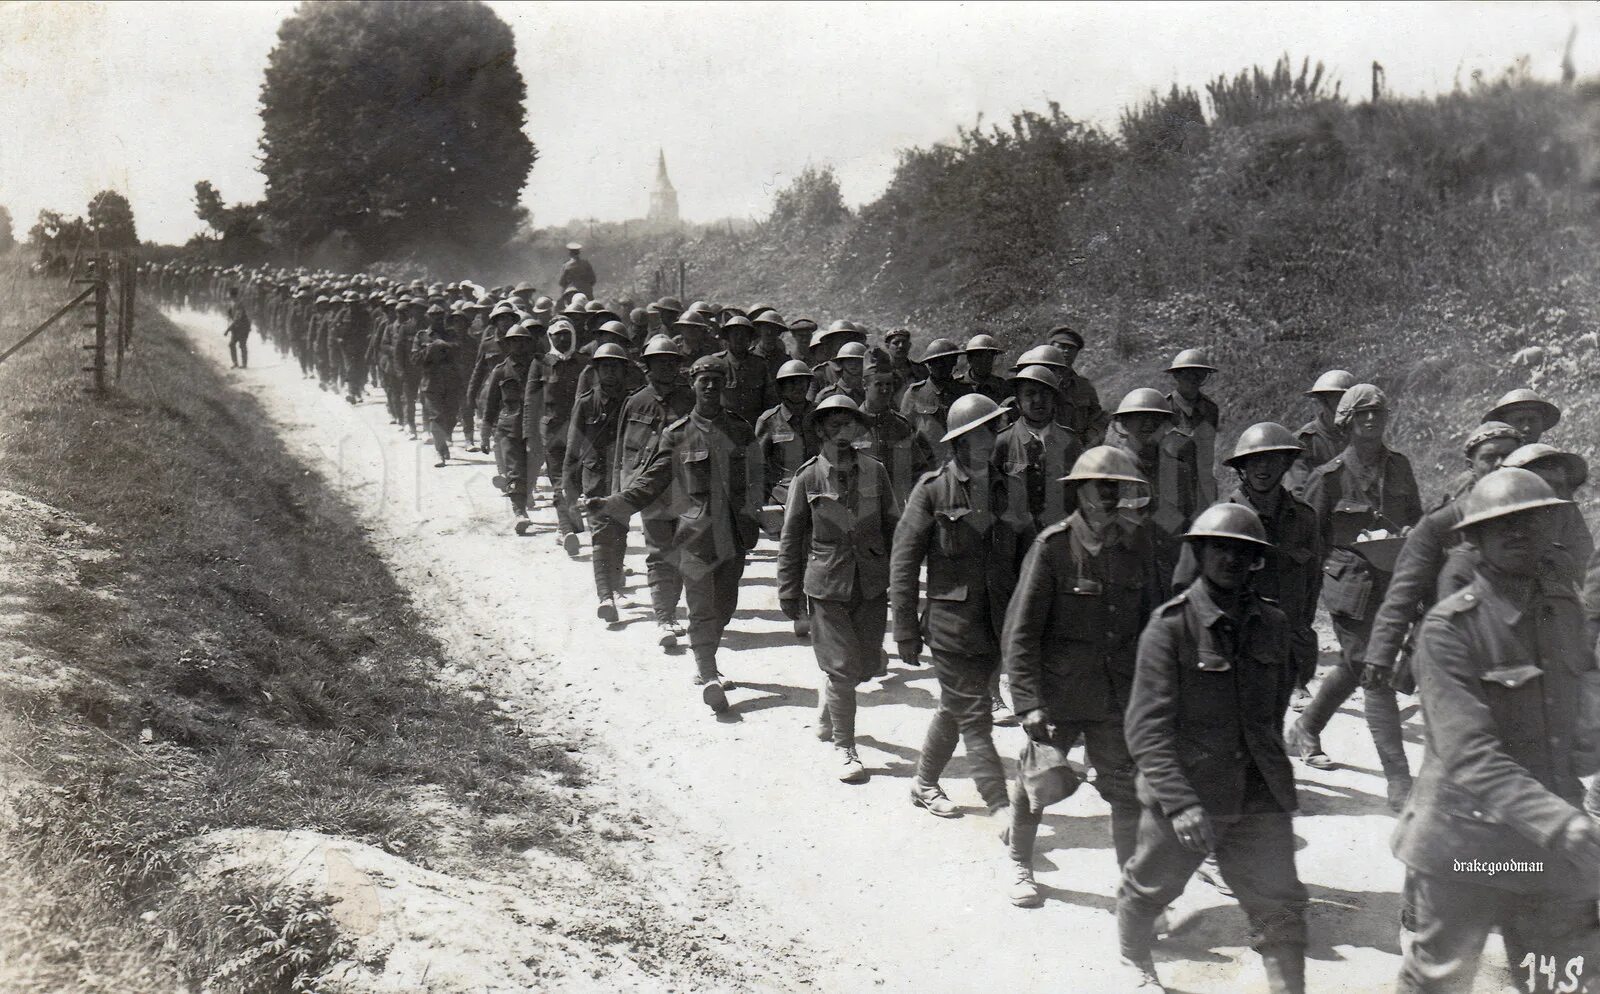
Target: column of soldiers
{"points": [[1011, 524]]}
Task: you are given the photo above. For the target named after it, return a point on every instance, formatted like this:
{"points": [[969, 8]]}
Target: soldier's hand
{"points": [[791, 607], [1193, 829], [1581, 840], [1036, 724], [1375, 677], [612, 507], [910, 651]]}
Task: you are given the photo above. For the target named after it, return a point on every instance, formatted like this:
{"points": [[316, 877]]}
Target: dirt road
{"points": [[884, 896]]}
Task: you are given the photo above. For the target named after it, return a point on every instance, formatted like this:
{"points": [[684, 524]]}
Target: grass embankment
{"points": [[202, 638]]}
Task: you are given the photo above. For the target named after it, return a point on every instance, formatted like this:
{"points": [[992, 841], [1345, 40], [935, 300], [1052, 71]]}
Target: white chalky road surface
{"points": [[885, 896]]}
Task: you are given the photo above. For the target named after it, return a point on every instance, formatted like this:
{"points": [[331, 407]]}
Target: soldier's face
{"points": [[880, 389], [981, 363], [610, 373], [1329, 402], [1227, 563], [519, 348], [1036, 401], [1488, 456], [942, 368], [708, 389], [1189, 382], [1263, 472], [1069, 349], [1143, 427], [1369, 423], [662, 369], [849, 371], [839, 429], [792, 390], [737, 339], [1527, 419], [1099, 498], [1513, 543], [978, 443], [561, 340], [899, 346]]}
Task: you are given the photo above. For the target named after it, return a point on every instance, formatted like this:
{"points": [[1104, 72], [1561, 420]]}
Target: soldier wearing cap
{"points": [[979, 376], [524, 291], [1080, 406], [576, 273], [845, 372], [894, 442], [445, 357], [1086, 587], [1142, 427], [1413, 586], [588, 469], [563, 365], [300, 321], [927, 404], [503, 393], [953, 526], [1203, 724], [1321, 438], [708, 461], [833, 557], [1501, 667], [1367, 487], [750, 390], [800, 334], [663, 400], [1196, 415], [897, 342], [1527, 412], [1290, 575]]}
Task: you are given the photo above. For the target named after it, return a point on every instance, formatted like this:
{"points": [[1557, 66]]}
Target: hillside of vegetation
{"points": [[1425, 244]]}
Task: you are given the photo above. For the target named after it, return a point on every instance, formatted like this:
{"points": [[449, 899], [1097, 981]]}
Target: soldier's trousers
{"points": [[662, 567], [511, 459], [711, 588], [439, 410], [1382, 710], [353, 368], [1450, 918], [410, 386], [1107, 750], [1255, 852], [302, 354], [555, 454], [847, 637], [469, 412], [393, 391], [964, 715], [239, 348], [608, 541]]}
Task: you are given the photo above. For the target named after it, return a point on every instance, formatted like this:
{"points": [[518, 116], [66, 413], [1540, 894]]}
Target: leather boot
{"points": [[1286, 968]]}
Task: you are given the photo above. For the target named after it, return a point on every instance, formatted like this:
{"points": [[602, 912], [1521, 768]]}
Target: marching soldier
{"points": [[1086, 587], [1142, 427], [710, 456], [834, 553], [1527, 412], [490, 354], [1369, 486], [770, 327], [404, 345], [953, 524], [1035, 454], [693, 339], [1493, 835], [587, 470], [750, 391], [785, 442], [1196, 416], [897, 342], [353, 348], [563, 365], [845, 372], [662, 401], [895, 443], [1203, 724], [1080, 406], [927, 403], [979, 376], [445, 359], [503, 394], [1320, 438]]}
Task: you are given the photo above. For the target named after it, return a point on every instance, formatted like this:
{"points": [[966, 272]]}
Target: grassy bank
{"points": [[202, 638]]}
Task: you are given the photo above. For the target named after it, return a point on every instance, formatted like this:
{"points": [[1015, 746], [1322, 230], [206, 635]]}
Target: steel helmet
{"points": [[1268, 436], [1525, 456], [736, 321], [1105, 462], [1191, 359], [794, 369], [983, 343], [839, 327], [524, 287], [544, 304], [616, 328], [838, 402], [578, 304], [1504, 491], [1144, 401], [1522, 395], [1036, 374], [1231, 521], [1043, 355], [609, 351], [661, 345], [938, 349], [1333, 381], [531, 325], [693, 319], [968, 413], [851, 350], [770, 317], [519, 331], [433, 309]]}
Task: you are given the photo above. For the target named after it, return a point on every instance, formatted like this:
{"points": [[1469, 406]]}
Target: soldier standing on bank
{"points": [[1203, 725], [648, 411], [1369, 486], [588, 467], [1196, 416], [834, 553], [953, 524], [1142, 426], [238, 330], [1086, 587], [576, 273], [708, 460], [1320, 438], [927, 403], [1501, 667], [503, 394], [783, 438]]}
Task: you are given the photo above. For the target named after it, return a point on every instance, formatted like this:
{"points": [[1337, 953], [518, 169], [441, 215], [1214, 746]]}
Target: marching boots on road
{"points": [[1142, 427], [588, 467], [646, 414], [503, 395], [834, 551], [709, 462], [1085, 589], [1502, 667], [1369, 487], [785, 442], [953, 523], [563, 365], [1196, 417], [445, 359], [1203, 726]]}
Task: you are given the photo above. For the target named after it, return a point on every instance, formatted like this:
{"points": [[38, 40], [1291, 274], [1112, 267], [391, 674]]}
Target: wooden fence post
{"points": [[101, 292]]}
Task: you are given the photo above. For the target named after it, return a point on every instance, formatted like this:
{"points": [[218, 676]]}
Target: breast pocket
{"points": [[1516, 698], [956, 534], [830, 519], [696, 473], [639, 438], [1350, 518]]}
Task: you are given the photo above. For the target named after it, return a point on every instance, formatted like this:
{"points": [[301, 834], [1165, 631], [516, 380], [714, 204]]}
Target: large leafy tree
{"points": [[111, 221], [241, 231], [399, 123]]}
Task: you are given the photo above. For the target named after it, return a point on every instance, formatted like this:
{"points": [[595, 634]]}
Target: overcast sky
{"points": [[148, 98]]}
